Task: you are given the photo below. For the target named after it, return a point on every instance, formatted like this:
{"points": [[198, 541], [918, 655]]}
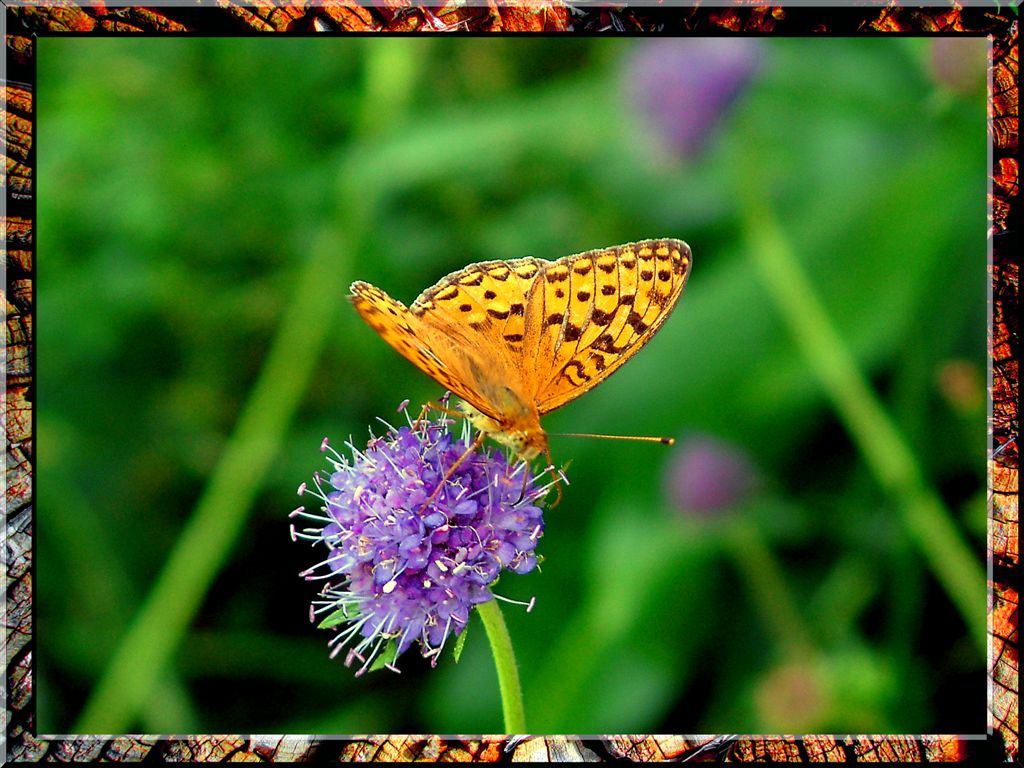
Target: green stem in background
{"points": [[389, 74], [884, 448], [113, 589], [158, 628], [505, 662], [764, 577]]}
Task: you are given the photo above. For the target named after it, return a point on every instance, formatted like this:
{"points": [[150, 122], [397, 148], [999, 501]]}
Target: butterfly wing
{"points": [[595, 310], [466, 331], [511, 336], [483, 310], [404, 331], [489, 298]]}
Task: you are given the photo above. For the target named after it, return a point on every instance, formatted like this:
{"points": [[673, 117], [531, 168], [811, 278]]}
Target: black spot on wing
{"points": [[636, 322]]}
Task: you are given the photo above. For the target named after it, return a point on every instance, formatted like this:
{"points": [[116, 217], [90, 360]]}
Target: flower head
{"points": [[683, 86], [707, 476], [407, 559]]}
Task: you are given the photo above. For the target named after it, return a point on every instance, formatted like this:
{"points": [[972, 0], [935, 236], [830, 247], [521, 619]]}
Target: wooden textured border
{"points": [[24, 23]]}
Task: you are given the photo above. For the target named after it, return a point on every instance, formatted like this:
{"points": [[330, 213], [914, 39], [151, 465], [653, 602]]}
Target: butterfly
{"points": [[518, 339]]}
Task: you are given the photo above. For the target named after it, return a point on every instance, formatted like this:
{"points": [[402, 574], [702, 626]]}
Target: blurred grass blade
{"points": [[884, 448], [157, 629]]}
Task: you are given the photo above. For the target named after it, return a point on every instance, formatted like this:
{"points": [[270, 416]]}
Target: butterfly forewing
{"points": [[612, 302], [412, 338], [489, 298]]}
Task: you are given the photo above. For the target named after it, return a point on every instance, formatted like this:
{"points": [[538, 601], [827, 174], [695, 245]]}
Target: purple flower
{"points": [[959, 63], [683, 86], [406, 564], [708, 476]]}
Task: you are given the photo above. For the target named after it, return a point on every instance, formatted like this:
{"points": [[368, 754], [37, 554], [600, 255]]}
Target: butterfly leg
{"points": [[451, 470], [432, 405], [424, 410], [526, 480], [453, 412], [556, 478]]}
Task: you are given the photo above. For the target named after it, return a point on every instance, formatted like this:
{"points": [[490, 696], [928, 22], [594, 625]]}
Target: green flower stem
{"points": [[505, 662], [884, 448], [157, 630]]}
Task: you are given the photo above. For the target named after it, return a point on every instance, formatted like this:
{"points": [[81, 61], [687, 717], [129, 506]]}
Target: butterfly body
{"points": [[518, 339]]}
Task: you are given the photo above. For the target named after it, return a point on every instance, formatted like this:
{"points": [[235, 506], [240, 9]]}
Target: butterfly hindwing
{"points": [[404, 331]]}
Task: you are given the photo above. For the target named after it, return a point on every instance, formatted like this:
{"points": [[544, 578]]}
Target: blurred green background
{"points": [[205, 204]]}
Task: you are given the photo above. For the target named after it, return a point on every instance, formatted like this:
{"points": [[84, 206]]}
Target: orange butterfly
{"points": [[518, 339]]}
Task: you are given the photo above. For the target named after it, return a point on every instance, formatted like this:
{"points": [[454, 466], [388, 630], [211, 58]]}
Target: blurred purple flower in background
{"points": [[959, 63], [706, 476], [683, 86], [404, 565]]}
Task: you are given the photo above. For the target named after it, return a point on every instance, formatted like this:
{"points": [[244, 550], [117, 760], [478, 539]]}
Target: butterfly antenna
{"points": [[451, 470], [636, 438]]}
